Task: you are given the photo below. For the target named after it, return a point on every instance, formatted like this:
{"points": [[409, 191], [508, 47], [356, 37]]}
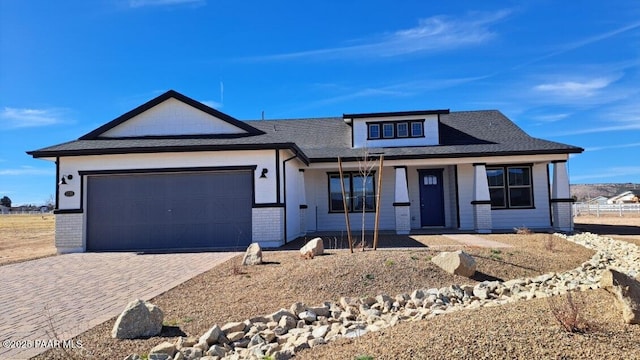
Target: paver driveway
{"points": [[80, 291]]}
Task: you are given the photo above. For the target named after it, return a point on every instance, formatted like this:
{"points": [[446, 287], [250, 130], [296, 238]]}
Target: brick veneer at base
{"points": [[69, 232], [562, 217], [482, 221], [267, 226], [403, 220]]}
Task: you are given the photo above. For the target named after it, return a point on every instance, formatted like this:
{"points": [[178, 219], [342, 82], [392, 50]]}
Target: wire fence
{"points": [[605, 209]]}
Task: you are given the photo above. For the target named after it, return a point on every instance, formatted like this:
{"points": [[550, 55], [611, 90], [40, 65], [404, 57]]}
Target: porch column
{"points": [[482, 222], [303, 202], [401, 202], [561, 200]]}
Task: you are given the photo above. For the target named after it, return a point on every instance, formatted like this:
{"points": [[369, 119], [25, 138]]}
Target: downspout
{"points": [[57, 204], [284, 192]]}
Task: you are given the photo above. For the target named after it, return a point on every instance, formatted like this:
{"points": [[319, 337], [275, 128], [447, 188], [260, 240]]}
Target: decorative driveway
{"points": [[79, 291]]}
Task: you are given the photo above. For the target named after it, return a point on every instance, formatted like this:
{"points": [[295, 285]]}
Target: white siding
{"points": [[507, 218], [465, 195], [317, 191], [531, 218], [264, 188], [172, 117], [294, 198], [431, 135]]}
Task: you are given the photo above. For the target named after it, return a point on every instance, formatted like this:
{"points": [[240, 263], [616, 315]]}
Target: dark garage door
{"points": [[169, 211]]}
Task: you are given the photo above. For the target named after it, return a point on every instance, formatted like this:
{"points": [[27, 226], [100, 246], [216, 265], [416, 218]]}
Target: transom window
{"points": [[395, 129], [359, 191], [510, 187]]}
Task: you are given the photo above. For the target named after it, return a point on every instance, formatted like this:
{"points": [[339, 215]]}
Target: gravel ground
{"points": [[231, 292], [524, 330]]}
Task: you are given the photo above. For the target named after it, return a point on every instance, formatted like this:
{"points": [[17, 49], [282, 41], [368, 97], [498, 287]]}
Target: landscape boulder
{"points": [[139, 319], [457, 263], [315, 246], [253, 256], [627, 292]]}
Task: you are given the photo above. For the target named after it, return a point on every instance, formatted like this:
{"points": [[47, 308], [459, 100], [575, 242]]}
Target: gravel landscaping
{"points": [[234, 293]]}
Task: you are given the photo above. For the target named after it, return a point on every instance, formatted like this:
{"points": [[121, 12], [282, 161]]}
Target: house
{"points": [[598, 200], [4, 209], [626, 197], [175, 173]]}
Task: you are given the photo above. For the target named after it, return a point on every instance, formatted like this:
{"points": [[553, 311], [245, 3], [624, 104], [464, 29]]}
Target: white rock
{"points": [[253, 255], [457, 263], [315, 246], [139, 319]]}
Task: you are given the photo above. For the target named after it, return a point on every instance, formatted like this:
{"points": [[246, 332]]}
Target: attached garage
{"points": [[174, 210]]}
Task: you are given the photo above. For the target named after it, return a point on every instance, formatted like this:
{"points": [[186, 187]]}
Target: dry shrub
{"points": [[308, 255], [566, 310], [67, 349], [523, 230], [549, 244], [237, 270]]}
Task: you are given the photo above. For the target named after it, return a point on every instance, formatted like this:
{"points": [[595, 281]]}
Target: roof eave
{"points": [[165, 149], [450, 156]]}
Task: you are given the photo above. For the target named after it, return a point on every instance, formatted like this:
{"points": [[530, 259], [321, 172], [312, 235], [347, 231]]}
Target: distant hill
{"points": [[583, 192]]}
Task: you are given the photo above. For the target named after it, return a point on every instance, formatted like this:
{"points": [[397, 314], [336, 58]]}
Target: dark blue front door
{"points": [[431, 197]]}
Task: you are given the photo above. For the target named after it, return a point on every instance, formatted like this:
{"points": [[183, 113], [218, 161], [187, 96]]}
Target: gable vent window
{"points": [[387, 131], [374, 131], [417, 129], [510, 187], [403, 129], [395, 130]]}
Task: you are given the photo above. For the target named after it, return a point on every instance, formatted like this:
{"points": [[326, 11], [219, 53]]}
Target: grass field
{"points": [[24, 237]]}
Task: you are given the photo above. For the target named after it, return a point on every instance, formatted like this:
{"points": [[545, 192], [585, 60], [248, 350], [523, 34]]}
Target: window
{"points": [[430, 180], [417, 129], [510, 187], [358, 189], [387, 130], [402, 129], [374, 131], [395, 129]]}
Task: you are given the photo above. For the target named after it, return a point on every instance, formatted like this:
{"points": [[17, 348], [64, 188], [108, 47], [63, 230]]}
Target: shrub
{"points": [[567, 313], [523, 230]]}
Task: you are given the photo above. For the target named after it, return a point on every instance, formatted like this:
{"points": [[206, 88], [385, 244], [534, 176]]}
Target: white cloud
{"points": [[23, 118], [549, 118], [27, 171], [620, 146], [581, 43], [212, 104], [612, 172], [146, 3], [433, 34], [574, 88]]}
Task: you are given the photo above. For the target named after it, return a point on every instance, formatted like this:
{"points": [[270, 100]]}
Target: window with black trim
{"points": [[359, 191], [417, 129], [395, 129], [388, 130], [510, 187], [374, 131]]}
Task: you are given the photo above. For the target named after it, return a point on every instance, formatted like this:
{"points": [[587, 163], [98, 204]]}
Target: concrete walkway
{"points": [[80, 291], [473, 240]]}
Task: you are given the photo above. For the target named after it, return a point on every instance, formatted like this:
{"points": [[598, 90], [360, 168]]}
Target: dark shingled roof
{"points": [[462, 134]]}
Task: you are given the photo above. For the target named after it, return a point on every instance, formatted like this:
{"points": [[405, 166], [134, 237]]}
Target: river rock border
{"points": [[281, 334]]}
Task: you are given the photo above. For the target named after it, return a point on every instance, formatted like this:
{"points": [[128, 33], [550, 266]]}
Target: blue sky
{"points": [[562, 70]]}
